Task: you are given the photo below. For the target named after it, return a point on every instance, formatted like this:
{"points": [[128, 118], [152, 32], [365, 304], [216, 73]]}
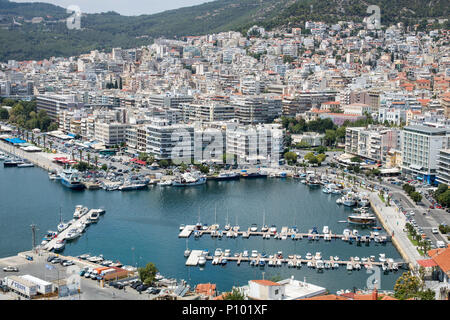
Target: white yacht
{"points": [[254, 253], [245, 254], [94, 216], [59, 245], [308, 256], [218, 252], [201, 261], [325, 230], [318, 256], [349, 266]]}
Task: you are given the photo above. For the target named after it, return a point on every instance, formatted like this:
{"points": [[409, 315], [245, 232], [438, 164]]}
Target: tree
{"points": [[330, 137], [321, 157], [148, 273], [444, 198], [4, 114], [235, 294], [290, 157], [104, 167], [409, 286], [95, 161], [415, 196]]}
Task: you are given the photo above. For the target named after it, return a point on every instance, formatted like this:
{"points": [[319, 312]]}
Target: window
{"points": [[276, 292]]}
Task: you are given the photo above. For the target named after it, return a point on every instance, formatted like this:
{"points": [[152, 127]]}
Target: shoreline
{"points": [[36, 158]]}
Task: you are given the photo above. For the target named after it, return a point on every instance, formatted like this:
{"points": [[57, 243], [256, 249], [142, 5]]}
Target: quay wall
{"points": [[37, 158], [395, 242]]}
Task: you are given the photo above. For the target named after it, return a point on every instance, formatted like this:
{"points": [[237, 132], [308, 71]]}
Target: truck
{"points": [[22, 286], [43, 287]]}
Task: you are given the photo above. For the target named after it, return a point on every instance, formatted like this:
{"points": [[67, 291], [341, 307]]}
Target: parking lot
{"points": [[90, 289]]}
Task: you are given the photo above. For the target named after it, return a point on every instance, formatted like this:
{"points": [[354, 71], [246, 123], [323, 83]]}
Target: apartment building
{"points": [[372, 143], [420, 148], [207, 112], [54, 104], [262, 143], [170, 141], [443, 166], [111, 134]]}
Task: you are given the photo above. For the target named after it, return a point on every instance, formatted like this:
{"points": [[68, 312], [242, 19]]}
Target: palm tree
{"points": [[51, 145], [43, 137], [95, 160], [32, 137], [38, 140], [89, 158], [81, 155], [73, 155]]}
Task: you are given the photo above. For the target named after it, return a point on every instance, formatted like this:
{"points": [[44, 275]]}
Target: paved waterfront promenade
{"points": [[394, 222], [41, 159]]}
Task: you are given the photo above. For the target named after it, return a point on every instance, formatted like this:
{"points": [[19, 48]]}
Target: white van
{"points": [[440, 244]]}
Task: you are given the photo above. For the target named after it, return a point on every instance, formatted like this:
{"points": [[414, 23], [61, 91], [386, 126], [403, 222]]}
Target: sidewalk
{"points": [[41, 159], [394, 223]]}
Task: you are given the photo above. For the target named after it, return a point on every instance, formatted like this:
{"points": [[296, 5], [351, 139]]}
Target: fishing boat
{"points": [[228, 175], [70, 178], [362, 219], [189, 179]]}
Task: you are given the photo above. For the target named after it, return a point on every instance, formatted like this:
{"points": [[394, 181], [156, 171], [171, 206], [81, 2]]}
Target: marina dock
{"points": [[62, 235], [293, 261], [285, 233]]}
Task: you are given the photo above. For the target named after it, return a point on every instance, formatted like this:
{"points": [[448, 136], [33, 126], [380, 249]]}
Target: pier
{"points": [[286, 233], [294, 262], [62, 235]]}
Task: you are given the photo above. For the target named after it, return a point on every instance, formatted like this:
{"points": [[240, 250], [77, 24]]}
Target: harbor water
{"points": [[143, 226]]}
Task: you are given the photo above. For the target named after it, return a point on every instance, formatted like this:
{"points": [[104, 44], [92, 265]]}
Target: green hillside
{"points": [[106, 30]]}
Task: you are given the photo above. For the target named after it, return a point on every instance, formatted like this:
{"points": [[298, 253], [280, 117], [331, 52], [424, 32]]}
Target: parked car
{"points": [[10, 269], [435, 230]]}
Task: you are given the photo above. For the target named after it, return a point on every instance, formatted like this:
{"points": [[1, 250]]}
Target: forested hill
{"points": [[23, 37]]}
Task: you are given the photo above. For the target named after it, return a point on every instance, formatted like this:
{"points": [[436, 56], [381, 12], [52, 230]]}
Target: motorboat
{"points": [[336, 258], [254, 227], [59, 245], [182, 226], [228, 176], [308, 256], [224, 261], [327, 265], [218, 252], [262, 262], [78, 212], [273, 229], [227, 252], [25, 165], [319, 264], [318, 256], [355, 232], [325, 230], [349, 266], [382, 257], [84, 256], [298, 264], [290, 264], [165, 183], [72, 234], [187, 253], [201, 261], [254, 254], [356, 259], [94, 216], [245, 254], [309, 264], [54, 176]]}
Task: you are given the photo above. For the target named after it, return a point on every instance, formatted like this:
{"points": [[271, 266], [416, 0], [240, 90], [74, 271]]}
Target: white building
{"points": [[420, 150], [110, 134]]}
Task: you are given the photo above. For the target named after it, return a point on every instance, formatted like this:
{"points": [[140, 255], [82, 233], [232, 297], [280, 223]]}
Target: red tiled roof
{"points": [[427, 263], [442, 258]]}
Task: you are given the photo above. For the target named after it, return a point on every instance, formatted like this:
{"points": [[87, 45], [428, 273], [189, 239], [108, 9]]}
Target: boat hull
{"points": [[73, 186], [188, 184]]}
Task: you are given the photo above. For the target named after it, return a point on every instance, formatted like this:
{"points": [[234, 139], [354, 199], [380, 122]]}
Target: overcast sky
{"points": [[125, 7]]}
